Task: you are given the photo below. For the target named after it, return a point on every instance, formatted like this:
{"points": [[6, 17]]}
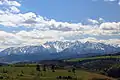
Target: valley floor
{"points": [[30, 73]]}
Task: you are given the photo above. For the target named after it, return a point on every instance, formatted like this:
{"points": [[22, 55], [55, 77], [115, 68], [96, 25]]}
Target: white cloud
{"points": [[7, 39], [36, 37], [10, 3], [110, 26], [32, 20], [14, 9], [118, 1], [93, 21], [110, 0]]}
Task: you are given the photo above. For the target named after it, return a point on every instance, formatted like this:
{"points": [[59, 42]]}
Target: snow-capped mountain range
{"points": [[53, 50]]}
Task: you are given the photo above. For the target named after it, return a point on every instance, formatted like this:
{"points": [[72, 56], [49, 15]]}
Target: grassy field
{"points": [[30, 73], [92, 58]]}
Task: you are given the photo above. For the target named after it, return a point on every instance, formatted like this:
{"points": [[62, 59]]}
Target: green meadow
{"points": [[30, 73]]}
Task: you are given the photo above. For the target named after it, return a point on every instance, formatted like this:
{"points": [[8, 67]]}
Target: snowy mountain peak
{"points": [[59, 46]]}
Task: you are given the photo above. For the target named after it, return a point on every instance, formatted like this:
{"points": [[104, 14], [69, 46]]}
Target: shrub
{"points": [[1, 77], [114, 72], [20, 74], [4, 71]]}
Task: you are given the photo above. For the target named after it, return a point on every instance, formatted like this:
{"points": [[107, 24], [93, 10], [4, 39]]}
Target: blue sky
{"points": [[74, 11], [33, 22]]}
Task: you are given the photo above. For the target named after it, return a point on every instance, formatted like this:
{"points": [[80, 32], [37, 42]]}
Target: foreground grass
{"points": [[30, 73]]}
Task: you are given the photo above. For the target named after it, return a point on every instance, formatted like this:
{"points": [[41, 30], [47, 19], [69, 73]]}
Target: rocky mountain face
{"points": [[56, 50]]}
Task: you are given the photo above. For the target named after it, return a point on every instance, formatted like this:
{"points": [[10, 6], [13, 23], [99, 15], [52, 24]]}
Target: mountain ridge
{"points": [[57, 50]]}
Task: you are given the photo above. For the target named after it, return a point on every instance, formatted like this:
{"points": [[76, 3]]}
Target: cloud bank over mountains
{"points": [[43, 29]]}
